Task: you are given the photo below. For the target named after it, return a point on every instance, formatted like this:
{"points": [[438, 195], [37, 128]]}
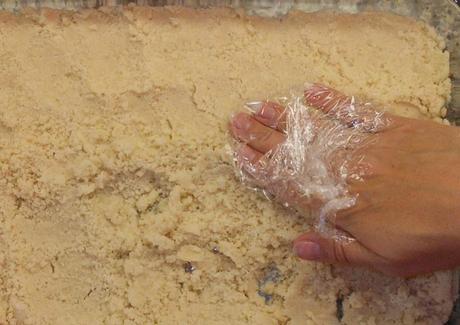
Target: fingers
{"points": [[344, 108], [329, 101], [257, 135], [311, 246], [269, 114], [247, 155], [326, 99]]}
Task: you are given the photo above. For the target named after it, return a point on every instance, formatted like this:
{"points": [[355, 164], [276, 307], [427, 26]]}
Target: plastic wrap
{"points": [[325, 132]]}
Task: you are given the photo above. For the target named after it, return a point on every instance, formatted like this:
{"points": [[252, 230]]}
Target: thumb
{"points": [[313, 247]]}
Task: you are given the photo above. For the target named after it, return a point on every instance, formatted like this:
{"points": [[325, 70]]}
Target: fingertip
{"points": [[322, 97], [334, 251], [308, 246], [241, 121], [247, 154], [272, 115], [307, 250], [240, 124], [254, 106], [312, 90], [267, 112]]}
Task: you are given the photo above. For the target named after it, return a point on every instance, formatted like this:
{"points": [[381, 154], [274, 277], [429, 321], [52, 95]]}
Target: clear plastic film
{"points": [[311, 171]]}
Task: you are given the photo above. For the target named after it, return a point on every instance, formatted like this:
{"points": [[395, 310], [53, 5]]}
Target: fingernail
{"points": [[307, 250], [254, 106], [267, 112], [247, 154], [241, 121]]}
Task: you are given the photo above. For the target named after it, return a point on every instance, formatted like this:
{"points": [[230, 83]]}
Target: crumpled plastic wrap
{"points": [[325, 133]]}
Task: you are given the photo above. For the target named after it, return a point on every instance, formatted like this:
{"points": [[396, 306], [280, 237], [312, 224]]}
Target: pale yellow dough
{"points": [[114, 169]]}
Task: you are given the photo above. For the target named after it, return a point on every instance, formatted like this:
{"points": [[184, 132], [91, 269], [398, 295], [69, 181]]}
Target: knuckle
{"points": [[267, 135], [339, 253], [271, 138], [350, 219]]}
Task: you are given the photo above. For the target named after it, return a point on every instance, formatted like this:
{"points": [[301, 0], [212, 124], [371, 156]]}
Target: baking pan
{"points": [[443, 15]]}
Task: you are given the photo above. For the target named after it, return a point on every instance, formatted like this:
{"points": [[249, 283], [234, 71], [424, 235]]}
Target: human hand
{"points": [[406, 218]]}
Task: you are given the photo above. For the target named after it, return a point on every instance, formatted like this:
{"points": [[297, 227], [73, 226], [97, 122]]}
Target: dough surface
{"points": [[118, 201]]}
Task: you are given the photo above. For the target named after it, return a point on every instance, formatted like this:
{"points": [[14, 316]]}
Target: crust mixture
{"points": [[118, 201]]}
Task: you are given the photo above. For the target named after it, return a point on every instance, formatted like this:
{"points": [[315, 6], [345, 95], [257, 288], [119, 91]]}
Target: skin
{"points": [[406, 220]]}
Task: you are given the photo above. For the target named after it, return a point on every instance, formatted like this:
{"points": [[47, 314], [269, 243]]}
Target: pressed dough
{"points": [[118, 200]]}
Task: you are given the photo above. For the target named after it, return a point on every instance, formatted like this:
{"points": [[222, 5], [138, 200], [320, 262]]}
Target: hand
{"points": [[406, 219]]}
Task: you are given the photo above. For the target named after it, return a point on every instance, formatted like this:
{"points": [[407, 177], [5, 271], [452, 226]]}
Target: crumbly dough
{"points": [[118, 201]]}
